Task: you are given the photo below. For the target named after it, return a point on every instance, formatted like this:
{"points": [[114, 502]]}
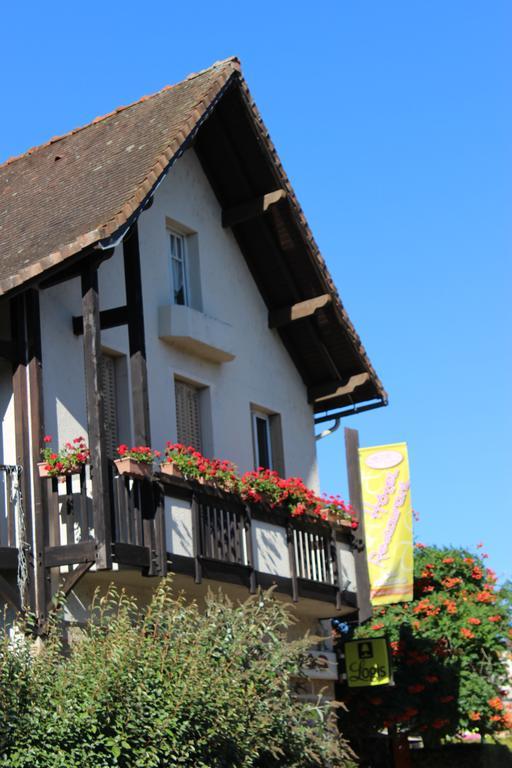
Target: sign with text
{"points": [[387, 509], [367, 662]]}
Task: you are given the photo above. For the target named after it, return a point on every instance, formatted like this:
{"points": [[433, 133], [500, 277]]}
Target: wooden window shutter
{"points": [[188, 416], [109, 410]]}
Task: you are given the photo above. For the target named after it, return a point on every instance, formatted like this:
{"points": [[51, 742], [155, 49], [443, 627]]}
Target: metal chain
{"points": [[23, 545]]}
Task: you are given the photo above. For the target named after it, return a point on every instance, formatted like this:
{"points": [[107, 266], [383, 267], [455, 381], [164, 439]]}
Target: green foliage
{"points": [[173, 686], [448, 648]]}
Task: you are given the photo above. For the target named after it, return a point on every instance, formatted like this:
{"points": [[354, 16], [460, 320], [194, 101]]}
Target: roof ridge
{"points": [[55, 139]]}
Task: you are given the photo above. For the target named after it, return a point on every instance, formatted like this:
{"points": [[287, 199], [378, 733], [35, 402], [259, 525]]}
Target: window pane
{"points": [[178, 262], [178, 281], [263, 442]]}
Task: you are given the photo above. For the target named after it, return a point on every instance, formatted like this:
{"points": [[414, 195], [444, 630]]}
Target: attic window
{"points": [[178, 248]]}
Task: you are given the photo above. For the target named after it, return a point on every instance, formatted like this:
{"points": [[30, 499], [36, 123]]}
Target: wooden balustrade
{"points": [[226, 540], [8, 536]]}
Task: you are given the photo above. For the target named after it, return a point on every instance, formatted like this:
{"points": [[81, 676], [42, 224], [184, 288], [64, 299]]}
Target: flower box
{"points": [[43, 472], [129, 466], [170, 468], [340, 522]]}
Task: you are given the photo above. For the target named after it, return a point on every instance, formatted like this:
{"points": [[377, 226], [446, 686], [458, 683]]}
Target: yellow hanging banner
{"points": [[388, 522]]}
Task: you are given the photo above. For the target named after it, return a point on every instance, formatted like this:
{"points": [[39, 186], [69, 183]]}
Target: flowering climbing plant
{"points": [[70, 458], [448, 647]]}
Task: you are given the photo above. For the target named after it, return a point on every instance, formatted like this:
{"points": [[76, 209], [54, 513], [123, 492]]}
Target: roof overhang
{"points": [[260, 207]]}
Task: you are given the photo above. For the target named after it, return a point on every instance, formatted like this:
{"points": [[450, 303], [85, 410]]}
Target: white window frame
{"points": [[183, 262], [256, 414]]}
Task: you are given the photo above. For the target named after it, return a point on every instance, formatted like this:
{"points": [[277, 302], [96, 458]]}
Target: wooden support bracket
{"points": [[251, 209], [109, 318], [332, 389], [70, 581], [279, 317], [9, 595]]}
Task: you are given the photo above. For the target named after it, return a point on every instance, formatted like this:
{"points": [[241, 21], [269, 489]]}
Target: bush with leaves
{"points": [[171, 686], [448, 650]]}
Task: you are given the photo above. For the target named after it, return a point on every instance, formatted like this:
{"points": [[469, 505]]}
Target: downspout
{"points": [[327, 432]]}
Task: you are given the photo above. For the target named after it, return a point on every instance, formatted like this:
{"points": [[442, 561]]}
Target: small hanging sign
{"points": [[368, 662]]}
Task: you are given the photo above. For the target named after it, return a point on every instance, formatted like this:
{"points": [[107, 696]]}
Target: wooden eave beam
{"points": [[6, 349], [251, 209], [109, 318], [333, 389], [279, 317]]}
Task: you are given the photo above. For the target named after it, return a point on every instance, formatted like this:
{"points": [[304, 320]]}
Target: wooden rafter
{"points": [[332, 389], [279, 317], [251, 209]]}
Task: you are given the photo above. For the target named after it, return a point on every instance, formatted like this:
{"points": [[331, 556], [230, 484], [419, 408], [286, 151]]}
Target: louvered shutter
{"points": [[188, 418], [109, 410]]}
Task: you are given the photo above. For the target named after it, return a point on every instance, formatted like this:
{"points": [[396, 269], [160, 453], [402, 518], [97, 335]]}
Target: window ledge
{"points": [[196, 333]]}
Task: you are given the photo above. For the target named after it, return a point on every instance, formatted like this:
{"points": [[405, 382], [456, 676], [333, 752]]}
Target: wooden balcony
{"points": [[163, 523], [8, 518]]}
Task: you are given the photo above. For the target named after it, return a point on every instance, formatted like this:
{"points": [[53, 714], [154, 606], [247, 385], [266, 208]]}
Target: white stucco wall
{"points": [[261, 373]]}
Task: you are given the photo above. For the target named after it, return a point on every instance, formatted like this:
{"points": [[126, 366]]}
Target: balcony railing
{"points": [[10, 511], [163, 522]]}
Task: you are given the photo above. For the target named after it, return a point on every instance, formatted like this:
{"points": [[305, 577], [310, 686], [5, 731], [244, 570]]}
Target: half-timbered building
{"points": [[159, 281]]}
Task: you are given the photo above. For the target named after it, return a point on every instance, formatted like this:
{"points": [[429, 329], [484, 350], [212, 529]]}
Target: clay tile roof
{"points": [[82, 187], [90, 184]]}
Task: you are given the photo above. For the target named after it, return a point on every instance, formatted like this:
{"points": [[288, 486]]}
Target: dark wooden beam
{"points": [[153, 526], [337, 388], [279, 317], [72, 267], [359, 542], [252, 208], [94, 397], [109, 318], [71, 580], [21, 423], [6, 349], [35, 377], [8, 559], [293, 563], [8, 594], [136, 337], [131, 554], [69, 554]]}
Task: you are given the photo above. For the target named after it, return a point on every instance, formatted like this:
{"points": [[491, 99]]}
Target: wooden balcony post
{"points": [[154, 528], [21, 427], [94, 395], [293, 563], [196, 540], [35, 378], [356, 499], [136, 338]]}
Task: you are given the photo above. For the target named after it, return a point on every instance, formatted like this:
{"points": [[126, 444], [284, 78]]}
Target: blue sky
{"points": [[394, 123]]}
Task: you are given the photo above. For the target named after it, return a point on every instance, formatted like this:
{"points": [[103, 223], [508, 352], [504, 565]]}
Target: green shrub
{"points": [[170, 686]]}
